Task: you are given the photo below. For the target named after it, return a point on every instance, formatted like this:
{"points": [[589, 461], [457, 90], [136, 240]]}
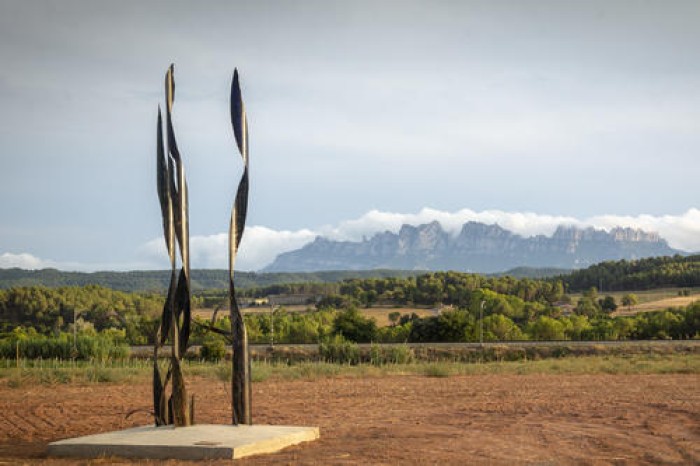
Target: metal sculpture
{"points": [[175, 321], [241, 381]]}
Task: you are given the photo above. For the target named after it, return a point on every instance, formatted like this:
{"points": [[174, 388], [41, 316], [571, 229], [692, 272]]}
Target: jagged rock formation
{"points": [[477, 248]]}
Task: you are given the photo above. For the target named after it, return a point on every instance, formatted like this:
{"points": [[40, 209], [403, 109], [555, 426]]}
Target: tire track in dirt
{"points": [[20, 425]]}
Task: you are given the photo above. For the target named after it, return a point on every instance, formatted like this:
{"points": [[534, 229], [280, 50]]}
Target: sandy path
{"points": [[494, 419]]}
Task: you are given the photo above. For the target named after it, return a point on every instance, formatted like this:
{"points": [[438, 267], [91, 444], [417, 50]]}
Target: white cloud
{"points": [[523, 223], [259, 247], [681, 231], [29, 261], [23, 261]]}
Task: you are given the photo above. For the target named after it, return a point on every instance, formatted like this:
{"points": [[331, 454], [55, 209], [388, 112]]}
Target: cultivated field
{"points": [[511, 413], [665, 303], [651, 300]]}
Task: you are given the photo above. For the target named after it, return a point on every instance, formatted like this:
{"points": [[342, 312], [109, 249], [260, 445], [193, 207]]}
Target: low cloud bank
{"points": [[261, 245], [681, 231], [24, 260]]}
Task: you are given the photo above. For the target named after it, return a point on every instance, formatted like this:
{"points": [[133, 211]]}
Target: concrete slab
{"points": [[203, 441]]}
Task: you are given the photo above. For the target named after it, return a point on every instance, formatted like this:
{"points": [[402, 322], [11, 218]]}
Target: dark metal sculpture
{"points": [[241, 380], [175, 322]]}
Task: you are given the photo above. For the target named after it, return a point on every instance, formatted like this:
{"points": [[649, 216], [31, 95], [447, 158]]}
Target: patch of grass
{"points": [[260, 372], [438, 369], [55, 372], [223, 372]]}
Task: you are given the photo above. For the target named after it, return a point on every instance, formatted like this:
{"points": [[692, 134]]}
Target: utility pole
{"points": [[481, 323], [74, 353], [75, 330], [272, 325]]}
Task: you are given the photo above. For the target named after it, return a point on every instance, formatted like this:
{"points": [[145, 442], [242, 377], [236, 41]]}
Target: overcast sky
{"points": [[362, 114]]}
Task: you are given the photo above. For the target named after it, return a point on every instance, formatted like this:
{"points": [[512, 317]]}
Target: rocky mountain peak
{"points": [[477, 248]]}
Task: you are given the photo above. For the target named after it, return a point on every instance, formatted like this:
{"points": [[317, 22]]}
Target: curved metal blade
{"points": [[238, 117]]}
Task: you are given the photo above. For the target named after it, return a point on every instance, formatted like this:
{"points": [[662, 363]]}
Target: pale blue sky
{"points": [[361, 113]]}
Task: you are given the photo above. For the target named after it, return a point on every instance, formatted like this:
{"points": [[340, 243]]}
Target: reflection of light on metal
{"points": [[241, 392]]}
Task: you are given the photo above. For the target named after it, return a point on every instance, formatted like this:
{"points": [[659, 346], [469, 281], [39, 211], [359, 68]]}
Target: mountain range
{"points": [[478, 247]]}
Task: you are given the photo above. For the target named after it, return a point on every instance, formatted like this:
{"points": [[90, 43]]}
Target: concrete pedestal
{"points": [[197, 442]]}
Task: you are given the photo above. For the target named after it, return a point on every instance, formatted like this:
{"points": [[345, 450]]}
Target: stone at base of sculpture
{"points": [[200, 442]]}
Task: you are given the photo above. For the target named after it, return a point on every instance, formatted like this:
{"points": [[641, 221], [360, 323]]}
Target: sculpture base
{"points": [[198, 442]]}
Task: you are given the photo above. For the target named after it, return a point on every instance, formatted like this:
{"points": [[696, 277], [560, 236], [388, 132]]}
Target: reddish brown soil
{"points": [[498, 419]]}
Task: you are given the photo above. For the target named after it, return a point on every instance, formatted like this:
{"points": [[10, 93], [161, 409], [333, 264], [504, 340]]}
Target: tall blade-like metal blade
{"points": [[180, 408], [184, 227], [174, 206], [238, 118], [182, 305], [161, 171], [178, 193], [241, 392], [168, 310], [163, 176], [240, 212], [157, 389], [169, 99], [241, 377]]}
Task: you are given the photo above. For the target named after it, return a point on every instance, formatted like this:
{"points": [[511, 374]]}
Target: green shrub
{"points": [[213, 349], [399, 354], [339, 350]]}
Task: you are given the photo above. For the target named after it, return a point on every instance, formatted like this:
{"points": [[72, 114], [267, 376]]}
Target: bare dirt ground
{"points": [[490, 419]]}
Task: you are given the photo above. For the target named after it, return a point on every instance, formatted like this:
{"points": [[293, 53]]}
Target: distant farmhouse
{"points": [[281, 300]]}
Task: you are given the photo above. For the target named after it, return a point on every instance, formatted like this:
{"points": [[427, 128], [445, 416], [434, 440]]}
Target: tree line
{"points": [[158, 280], [641, 274]]}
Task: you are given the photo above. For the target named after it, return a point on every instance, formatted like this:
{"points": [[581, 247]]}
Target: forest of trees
{"points": [[642, 274]]}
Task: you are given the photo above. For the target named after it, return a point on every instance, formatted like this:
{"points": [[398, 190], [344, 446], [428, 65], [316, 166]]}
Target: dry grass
{"points": [[67, 373], [381, 313], [645, 296], [649, 300], [661, 304]]}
